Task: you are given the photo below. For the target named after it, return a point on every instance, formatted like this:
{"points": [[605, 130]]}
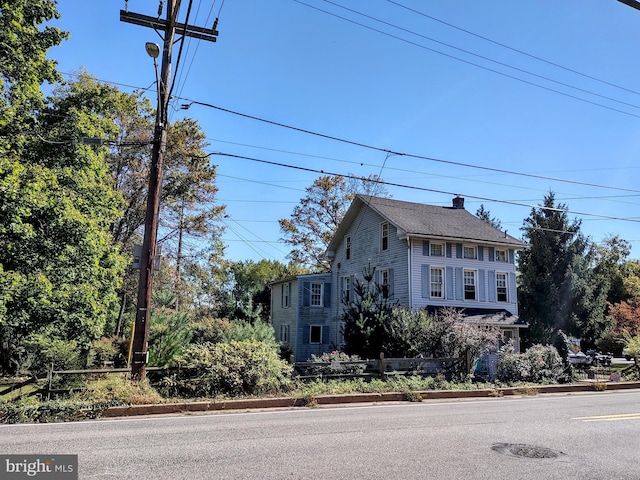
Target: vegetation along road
{"points": [[586, 436]]}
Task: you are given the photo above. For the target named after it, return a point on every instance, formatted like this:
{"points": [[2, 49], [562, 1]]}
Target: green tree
{"points": [[485, 215], [556, 282], [24, 67], [314, 222], [366, 318]]}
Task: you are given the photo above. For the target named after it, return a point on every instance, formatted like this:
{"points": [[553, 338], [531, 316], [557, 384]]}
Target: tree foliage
{"points": [[558, 284], [313, 223], [24, 66], [485, 215]]}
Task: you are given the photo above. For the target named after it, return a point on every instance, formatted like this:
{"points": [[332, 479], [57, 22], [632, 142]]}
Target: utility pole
{"points": [[148, 254]]}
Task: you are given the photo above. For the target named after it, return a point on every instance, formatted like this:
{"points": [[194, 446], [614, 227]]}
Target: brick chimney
{"points": [[458, 202]]}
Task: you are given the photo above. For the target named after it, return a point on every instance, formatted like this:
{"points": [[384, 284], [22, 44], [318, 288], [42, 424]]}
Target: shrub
{"points": [[62, 354], [103, 351], [333, 359], [210, 330], [233, 369], [539, 364]]}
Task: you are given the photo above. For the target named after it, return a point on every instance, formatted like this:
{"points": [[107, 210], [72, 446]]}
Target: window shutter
{"points": [[425, 247], [458, 250], [449, 281], [513, 293], [512, 256], [391, 283], [459, 284], [426, 281], [481, 253], [282, 295], [492, 254], [326, 334], [481, 286], [327, 295], [448, 248], [306, 333], [306, 296], [492, 286]]}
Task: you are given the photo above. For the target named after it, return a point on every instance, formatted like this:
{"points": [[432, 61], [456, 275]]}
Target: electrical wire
{"points": [[421, 157], [590, 77], [468, 52], [472, 63], [411, 187]]}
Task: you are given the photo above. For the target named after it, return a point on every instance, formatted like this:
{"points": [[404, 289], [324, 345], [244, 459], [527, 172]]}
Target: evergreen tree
{"points": [[557, 281]]}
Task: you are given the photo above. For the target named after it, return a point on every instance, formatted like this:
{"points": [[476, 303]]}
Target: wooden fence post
{"points": [[468, 360], [381, 366], [50, 383]]}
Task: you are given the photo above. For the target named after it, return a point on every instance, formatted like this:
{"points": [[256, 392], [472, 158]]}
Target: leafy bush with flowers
{"points": [[539, 364], [335, 362]]}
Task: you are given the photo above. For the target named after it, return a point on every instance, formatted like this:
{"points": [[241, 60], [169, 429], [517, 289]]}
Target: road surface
{"points": [[580, 436]]}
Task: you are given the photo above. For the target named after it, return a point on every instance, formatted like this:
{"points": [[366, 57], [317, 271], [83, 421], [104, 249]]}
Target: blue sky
{"points": [[542, 88]]}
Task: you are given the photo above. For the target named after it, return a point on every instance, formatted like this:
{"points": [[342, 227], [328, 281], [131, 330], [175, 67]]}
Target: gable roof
{"points": [[427, 221]]}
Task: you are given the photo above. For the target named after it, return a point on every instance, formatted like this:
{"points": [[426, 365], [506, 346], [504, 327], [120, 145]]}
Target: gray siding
{"points": [[318, 316], [285, 315], [365, 232]]}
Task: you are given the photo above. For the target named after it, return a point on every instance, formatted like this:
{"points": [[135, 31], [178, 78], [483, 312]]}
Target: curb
{"points": [[289, 402]]}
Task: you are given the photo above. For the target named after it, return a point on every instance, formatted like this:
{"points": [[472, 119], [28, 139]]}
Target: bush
{"points": [[332, 359], [232, 369], [539, 364], [210, 330], [104, 351], [62, 354]]}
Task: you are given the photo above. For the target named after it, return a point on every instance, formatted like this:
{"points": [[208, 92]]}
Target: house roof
{"points": [[428, 221], [487, 316]]}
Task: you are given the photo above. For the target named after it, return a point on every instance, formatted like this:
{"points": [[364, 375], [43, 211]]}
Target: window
{"points": [[437, 281], [284, 333], [501, 287], [384, 283], [315, 334], [347, 246], [384, 236], [316, 294], [501, 256], [346, 289], [469, 252], [436, 250], [469, 285], [286, 294]]}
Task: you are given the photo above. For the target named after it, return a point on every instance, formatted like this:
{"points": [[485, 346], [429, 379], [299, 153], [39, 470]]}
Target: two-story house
{"points": [[424, 256]]}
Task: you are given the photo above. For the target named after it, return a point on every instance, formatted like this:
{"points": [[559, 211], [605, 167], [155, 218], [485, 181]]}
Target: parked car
{"points": [[599, 358], [579, 358], [626, 353]]}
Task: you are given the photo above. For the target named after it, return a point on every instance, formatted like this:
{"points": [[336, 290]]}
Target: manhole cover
{"points": [[523, 450]]}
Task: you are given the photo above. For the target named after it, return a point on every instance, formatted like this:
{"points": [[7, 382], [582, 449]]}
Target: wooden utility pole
{"points": [[168, 28]]}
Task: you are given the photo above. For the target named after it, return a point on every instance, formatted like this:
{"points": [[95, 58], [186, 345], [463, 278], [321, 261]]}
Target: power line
{"points": [[422, 157], [478, 55], [515, 49], [486, 199]]}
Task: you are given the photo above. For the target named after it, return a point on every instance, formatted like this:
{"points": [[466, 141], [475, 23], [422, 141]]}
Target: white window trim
{"points": [[286, 299], [384, 272], [383, 236], [311, 327], [284, 333], [506, 255], [433, 244], [475, 252], [442, 284], [475, 285], [346, 287], [506, 286], [321, 303]]}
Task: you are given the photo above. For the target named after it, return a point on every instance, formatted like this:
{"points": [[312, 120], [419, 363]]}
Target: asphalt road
{"points": [[579, 436]]}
